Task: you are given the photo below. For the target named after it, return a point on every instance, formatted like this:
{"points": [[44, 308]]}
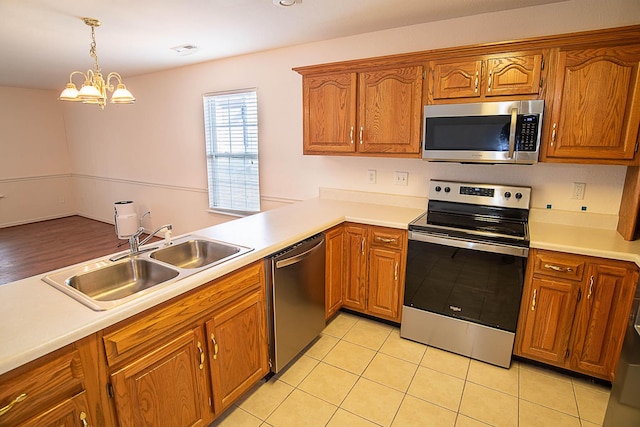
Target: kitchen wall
{"points": [[153, 152]]}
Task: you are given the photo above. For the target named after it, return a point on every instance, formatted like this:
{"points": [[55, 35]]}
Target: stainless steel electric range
{"points": [[465, 269]]}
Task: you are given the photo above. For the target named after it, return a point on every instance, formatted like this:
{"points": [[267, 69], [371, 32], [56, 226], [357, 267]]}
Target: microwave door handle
{"points": [[512, 131]]}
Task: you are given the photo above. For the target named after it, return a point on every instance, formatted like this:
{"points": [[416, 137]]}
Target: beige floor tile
{"points": [[350, 357], [237, 417], [368, 333], [495, 377], [547, 390], [532, 415], [340, 325], [265, 398], [343, 418], [437, 387], [329, 383], [589, 424], [489, 406], [464, 421], [529, 368], [592, 402], [373, 401], [446, 362], [415, 412], [302, 410], [392, 372], [401, 348], [298, 370], [321, 347]]}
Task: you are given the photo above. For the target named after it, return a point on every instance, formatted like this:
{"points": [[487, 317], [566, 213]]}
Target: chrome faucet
{"points": [[135, 243]]}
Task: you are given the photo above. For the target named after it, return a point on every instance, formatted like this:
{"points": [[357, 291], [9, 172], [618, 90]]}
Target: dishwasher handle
{"points": [[297, 258]]}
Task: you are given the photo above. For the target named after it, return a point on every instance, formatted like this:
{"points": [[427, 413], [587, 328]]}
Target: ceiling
{"points": [[42, 41]]}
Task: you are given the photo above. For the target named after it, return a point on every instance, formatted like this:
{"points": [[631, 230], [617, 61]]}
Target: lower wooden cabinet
{"points": [[334, 256], [574, 311], [374, 266], [70, 412]]}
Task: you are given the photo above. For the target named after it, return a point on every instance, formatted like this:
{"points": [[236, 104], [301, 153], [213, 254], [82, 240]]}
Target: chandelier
{"points": [[94, 89]]}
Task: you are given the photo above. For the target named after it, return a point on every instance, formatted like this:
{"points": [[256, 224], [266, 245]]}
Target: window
{"points": [[231, 132]]}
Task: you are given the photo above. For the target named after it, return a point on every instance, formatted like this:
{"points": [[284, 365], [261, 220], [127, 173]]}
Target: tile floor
{"points": [[361, 373]]}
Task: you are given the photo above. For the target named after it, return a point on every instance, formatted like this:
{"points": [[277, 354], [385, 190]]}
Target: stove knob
{"points": [[447, 189], [438, 188], [518, 196], [507, 195]]}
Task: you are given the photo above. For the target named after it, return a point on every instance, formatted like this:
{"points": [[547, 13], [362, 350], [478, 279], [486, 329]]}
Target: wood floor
{"points": [[27, 250]]}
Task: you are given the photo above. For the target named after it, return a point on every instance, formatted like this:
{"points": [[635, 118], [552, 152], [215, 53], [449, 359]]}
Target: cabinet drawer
{"points": [[40, 385], [149, 328], [559, 266], [389, 238]]}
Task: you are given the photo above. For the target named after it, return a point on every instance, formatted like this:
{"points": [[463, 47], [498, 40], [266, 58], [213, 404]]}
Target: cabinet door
{"points": [[355, 267], [390, 111], [70, 412], [384, 283], [165, 387], [602, 319], [237, 348], [596, 104], [513, 75], [329, 110], [333, 274], [551, 306], [458, 79]]}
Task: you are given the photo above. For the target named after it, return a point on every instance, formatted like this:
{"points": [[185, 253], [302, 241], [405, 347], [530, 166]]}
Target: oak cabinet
{"points": [[237, 351], [510, 74], [574, 311], [165, 386], [369, 112], [186, 361], [374, 270], [595, 113], [49, 391], [334, 240]]}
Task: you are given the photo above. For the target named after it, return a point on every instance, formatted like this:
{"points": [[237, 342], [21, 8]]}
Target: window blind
{"points": [[231, 132]]}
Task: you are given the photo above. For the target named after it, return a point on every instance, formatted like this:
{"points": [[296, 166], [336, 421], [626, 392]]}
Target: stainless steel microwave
{"points": [[486, 132]]}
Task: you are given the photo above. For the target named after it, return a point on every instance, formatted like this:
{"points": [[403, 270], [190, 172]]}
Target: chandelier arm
{"points": [[73, 73], [111, 75]]}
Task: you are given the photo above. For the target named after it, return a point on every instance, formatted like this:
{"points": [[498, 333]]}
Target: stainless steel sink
{"points": [[196, 253], [104, 284]]}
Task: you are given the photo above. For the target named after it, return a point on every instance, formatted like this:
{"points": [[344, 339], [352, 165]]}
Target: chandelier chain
{"points": [[92, 51]]}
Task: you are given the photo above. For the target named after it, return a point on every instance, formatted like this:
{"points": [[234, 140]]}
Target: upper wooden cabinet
{"points": [[375, 112], [594, 112], [489, 76]]}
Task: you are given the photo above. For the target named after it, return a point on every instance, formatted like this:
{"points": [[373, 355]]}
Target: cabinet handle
{"points": [[590, 288], [215, 346], [560, 269], [533, 301], [395, 274], [351, 135], [553, 134], [361, 130], [18, 399], [83, 418], [476, 88], [362, 246], [201, 355], [385, 240], [489, 83]]}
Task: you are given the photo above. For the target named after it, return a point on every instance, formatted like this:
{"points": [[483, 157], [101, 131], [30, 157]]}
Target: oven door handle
{"points": [[469, 244], [512, 131]]}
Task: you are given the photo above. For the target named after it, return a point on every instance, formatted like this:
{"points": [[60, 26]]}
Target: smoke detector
{"points": [[185, 49], [286, 3]]}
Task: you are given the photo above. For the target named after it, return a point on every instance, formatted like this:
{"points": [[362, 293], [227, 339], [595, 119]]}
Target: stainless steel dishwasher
{"points": [[295, 293]]}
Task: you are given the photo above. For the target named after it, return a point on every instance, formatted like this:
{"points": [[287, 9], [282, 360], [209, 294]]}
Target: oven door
{"points": [[465, 279]]}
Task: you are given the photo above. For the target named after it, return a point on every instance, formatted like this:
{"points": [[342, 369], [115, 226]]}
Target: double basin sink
{"points": [[105, 284]]}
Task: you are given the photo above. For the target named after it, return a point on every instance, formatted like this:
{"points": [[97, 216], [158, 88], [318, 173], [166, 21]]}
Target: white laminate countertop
{"points": [[36, 319]]}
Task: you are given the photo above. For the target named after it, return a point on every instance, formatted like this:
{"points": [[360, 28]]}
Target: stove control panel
{"points": [[480, 194]]}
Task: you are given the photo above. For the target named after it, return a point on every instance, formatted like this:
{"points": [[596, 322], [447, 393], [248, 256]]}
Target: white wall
{"points": [[35, 171], [153, 151]]}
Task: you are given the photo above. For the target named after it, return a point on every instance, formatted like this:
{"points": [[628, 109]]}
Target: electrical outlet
{"points": [[371, 176], [578, 190], [401, 178]]}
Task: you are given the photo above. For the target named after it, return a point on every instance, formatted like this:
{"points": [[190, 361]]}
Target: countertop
{"points": [[36, 319]]}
